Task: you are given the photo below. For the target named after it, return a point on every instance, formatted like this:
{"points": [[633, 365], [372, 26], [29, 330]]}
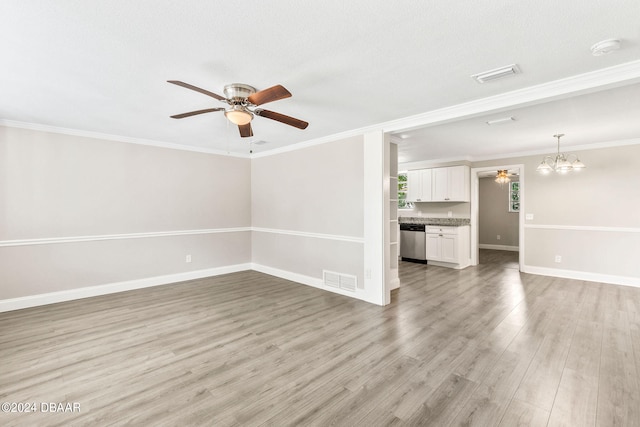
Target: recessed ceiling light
{"points": [[501, 121], [605, 47], [405, 136], [496, 73]]}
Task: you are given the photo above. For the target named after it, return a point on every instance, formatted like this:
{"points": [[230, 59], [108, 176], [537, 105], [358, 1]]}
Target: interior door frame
{"points": [[475, 211]]}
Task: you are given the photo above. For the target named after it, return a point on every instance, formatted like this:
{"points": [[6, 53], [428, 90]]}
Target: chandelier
{"points": [[502, 177], [561, 162]]}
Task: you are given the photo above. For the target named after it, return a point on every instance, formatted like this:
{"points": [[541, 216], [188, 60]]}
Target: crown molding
{"points": [[421, 164], [605, 78], [117, 138], [569, 148], [593, 81], [317, 141]]}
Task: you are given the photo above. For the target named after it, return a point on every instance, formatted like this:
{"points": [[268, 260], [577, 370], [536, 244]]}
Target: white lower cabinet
{"points": [[448, 246], [434, 247]]}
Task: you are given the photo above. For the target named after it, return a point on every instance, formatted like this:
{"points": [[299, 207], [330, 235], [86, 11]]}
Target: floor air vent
{"points": [[339, 280]]}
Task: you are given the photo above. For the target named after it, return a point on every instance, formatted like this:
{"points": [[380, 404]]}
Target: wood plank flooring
{"points": [[483, 346]]}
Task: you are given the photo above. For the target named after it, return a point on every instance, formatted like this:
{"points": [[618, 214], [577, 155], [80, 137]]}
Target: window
{"points": [[514, 196], [402, 192]]}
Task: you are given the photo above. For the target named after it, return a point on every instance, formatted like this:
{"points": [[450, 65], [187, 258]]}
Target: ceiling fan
{"points": [[243, 100]]}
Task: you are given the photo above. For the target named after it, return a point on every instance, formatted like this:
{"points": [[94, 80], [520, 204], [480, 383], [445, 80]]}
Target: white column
{"points": [[374, 218]]}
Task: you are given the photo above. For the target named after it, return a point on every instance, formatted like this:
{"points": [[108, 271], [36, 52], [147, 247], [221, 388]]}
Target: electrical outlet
{"points": [[187, 258], [558, 258], [528, 217], [450, 214], [367, 273], [498, 237]]}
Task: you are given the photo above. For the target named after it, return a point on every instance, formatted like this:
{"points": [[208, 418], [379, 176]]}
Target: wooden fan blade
{"points": [[193, 113], [245, 130], [271, 94], [291, 121], [197, 89]]}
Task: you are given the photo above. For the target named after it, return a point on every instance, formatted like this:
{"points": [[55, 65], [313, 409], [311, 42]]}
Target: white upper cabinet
{"points": [[440, 184], [450, 184], [427, 188], [419, 185], [414, 186]]}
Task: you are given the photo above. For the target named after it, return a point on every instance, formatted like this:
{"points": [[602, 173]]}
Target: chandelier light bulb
{"points": [[502, 177]]}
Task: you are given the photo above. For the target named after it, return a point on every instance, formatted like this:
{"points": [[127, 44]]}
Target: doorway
{"points": [[500, 248]]}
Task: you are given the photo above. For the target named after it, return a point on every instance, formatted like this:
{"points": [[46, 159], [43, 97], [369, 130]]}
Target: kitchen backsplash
{"points": [[439, 210]]}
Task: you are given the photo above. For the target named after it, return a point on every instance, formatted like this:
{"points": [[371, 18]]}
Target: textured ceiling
{"points": [[102, 66]]}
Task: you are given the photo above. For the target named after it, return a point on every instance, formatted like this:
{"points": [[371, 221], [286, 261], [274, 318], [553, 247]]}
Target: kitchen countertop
{"points": [[452, 222]]}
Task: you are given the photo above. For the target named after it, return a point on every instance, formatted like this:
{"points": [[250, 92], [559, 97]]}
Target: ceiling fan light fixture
{"points": [[502, 177], [242, 100], [238, 115]]}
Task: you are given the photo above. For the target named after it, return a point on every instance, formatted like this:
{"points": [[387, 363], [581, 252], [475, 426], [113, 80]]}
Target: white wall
{"points": [[81, 212], [590, 218], [83, 216], [307, 211]]}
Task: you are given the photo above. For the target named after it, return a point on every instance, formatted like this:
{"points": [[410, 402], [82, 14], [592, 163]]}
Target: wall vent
{"points": [[346, 282]]}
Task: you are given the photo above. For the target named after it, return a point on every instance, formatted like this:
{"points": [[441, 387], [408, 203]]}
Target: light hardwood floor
{"points": [[484, 346]]}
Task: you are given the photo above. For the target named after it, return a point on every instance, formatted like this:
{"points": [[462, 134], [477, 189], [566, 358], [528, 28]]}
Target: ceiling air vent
{"points": [[497, 73], [501, 121]]}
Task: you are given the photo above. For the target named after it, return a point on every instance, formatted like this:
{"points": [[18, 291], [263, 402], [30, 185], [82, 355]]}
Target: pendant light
{"points": [[560, 163]]}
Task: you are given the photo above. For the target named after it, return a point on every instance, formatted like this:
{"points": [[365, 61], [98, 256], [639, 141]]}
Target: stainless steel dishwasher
{"points": [[413, 243]]}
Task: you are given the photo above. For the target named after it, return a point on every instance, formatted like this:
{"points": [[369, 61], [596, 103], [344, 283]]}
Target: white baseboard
{"points": [[303, 279], [455, 266], [111, 288], [583, 275], [316, 282], [74, 294], [499, 247], [92, 291]]}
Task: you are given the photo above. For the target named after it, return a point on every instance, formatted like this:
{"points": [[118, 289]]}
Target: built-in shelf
{"points": [[392, 232]]}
